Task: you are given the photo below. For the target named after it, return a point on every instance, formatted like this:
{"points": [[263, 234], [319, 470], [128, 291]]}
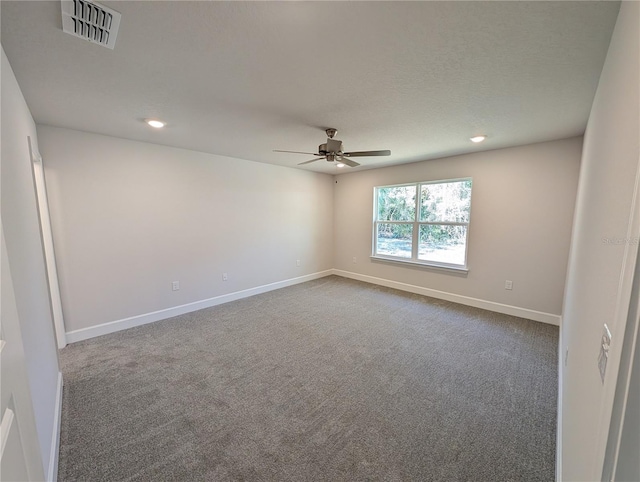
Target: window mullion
{"points": [[416, 236], [443, 223]]}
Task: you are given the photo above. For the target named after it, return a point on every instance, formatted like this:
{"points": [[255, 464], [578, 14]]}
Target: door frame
{"points": [[37, 170]]}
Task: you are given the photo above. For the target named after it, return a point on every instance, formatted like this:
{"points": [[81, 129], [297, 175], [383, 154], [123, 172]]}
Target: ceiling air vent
{"points": [[90, 21]]}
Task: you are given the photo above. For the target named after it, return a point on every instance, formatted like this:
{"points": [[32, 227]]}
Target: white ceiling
{"points": [[243, 78]]}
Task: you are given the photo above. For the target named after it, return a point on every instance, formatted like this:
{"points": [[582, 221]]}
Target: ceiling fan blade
{"points": [[348, 162], [367, 153], [312, 160], [298, 152]]}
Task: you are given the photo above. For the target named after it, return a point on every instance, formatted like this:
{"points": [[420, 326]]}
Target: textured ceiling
{"points": [[243, 78]]}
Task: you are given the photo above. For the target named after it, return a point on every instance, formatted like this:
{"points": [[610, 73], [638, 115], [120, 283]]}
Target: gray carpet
{"points": [[331, 380]]}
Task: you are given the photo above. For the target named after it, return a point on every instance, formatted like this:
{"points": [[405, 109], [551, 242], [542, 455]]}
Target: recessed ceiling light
{"points": [[478, 138], [155, 123], [339, 165]]}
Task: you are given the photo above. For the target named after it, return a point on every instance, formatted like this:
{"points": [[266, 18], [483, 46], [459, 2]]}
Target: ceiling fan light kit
{"points": [[332, 152]]}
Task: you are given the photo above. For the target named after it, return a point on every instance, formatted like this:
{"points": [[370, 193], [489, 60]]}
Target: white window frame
{"points": [[414, 260]]}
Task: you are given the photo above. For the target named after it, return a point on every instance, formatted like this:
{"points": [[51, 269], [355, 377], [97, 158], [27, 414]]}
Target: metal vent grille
{"points": [[90, 21]]}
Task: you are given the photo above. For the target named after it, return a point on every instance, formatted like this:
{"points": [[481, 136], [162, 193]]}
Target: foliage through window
{"points": [[425, 222]]}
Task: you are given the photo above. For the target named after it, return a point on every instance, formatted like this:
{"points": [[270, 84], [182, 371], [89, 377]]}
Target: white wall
{"points": [[521, 216], [598, 281], [131, 217], [26, 260]]}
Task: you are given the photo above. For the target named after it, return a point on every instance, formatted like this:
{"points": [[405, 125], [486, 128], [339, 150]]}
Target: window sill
{"points": [[460, 270]]}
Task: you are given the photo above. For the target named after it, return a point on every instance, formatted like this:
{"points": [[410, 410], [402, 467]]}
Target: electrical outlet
{"points": [[225, 277], [603, 357], [354, 260], [297, 262], [508, 285], [175, 286]]}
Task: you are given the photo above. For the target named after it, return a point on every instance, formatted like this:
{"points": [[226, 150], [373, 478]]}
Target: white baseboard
{"points": [[52, 473], [559, 422], [463, 300], [118, 325]]}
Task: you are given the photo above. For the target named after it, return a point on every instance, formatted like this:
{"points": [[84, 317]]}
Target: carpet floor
{"points": [[330, 380]]}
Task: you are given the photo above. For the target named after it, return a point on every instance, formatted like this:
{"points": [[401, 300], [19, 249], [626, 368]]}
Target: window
{"points": [[425, 222]]}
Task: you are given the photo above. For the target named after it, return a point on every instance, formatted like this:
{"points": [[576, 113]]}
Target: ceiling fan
{"points": [[332, 152]]}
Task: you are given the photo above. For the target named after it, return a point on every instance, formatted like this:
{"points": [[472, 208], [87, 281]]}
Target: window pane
{"points": [[397, 203], [394, 239], [447, 201], [443, 243]]}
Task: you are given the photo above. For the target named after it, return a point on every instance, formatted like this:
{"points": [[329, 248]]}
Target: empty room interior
{"points": [[300, 241]]}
